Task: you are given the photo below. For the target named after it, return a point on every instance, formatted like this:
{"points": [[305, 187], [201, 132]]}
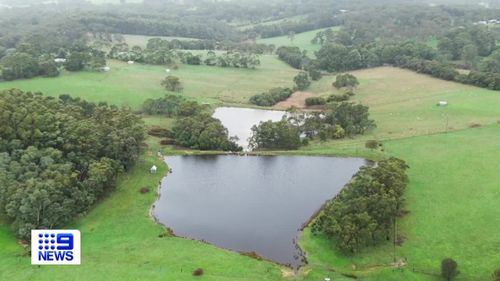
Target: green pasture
{"points": [[301, 40], [132, 84]]}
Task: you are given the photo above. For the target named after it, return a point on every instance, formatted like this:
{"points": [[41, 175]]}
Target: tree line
{"points": [[160, 55], [58, 156]]}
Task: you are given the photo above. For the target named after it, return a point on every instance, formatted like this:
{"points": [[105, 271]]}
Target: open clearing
{"points": [[132, 84], [453, 202], [298, 99], [301, 40], [404, 103]]}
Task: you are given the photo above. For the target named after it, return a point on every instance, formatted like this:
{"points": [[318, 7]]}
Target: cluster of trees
{"points": [[24, 63], [232, 59], [301, 81], [194, 127], [467, 43], [59, 155], [293, 56], [160, 55], [271, 97], [446, 71], [202, 131], [275, 135], [199, 44], [337, 121], [364, 212]]}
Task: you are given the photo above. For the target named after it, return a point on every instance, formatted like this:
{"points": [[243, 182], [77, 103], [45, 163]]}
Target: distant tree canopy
{"points": [[58, 156], [162, 54], [363, 213]]}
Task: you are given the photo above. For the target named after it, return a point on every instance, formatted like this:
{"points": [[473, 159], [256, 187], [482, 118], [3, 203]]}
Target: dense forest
{"points": [[58, 156]]}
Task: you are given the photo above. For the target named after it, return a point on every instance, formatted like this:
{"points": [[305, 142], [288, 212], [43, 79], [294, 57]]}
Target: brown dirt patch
{"points": [[298, 99]]}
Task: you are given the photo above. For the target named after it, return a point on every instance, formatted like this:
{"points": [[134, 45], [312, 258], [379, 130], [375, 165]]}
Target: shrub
{"points": [[315, 101], [144, 190], [271, 97], [167, 142], [160, 132], [449, 268], [198, 272], [338, 98], [496, 275], [371, 144]]}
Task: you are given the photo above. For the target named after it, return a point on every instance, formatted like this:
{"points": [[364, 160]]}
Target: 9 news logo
{"points": [[55, 247]]}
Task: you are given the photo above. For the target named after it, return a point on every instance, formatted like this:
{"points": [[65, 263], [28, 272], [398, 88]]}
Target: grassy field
{"points": [[403, 103], [301, 40], [452, 196], [453, 203], [132, 84]]}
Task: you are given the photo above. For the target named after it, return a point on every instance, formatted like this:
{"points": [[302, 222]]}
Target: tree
{"points": [[345, 80], [491, 63], [364, 211], [371, 144], [302, 81], [449, 269], [76, 61], [48, 68], [469, 55], [172, 83]]}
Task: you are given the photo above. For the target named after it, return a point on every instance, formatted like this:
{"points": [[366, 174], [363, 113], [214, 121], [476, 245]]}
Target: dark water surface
{"points": [[252, 203], [239, 121]]}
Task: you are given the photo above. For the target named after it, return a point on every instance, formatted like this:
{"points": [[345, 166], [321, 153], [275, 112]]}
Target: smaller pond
{"points": [[239, 121], [253, 203]]}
